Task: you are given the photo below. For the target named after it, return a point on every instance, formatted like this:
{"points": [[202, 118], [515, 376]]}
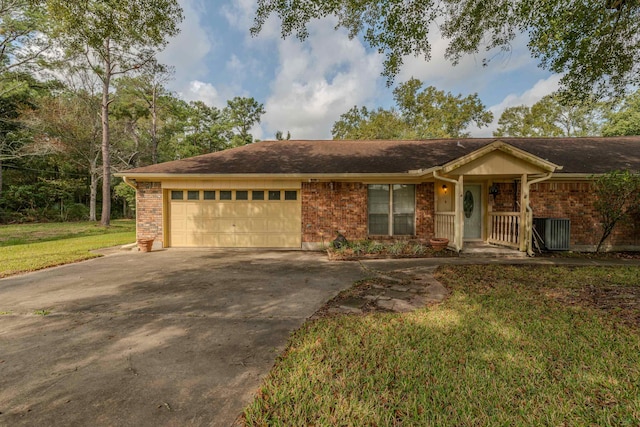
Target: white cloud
{"points": [[470, 74], [529, 97], [317, 81], [240, 13], [188, 50], [201, 91]]}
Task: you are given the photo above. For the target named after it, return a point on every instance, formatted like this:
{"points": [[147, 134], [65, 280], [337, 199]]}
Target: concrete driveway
{"points": [[167, 338]]}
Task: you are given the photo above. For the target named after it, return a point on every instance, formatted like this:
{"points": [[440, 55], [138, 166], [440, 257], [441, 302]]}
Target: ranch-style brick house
{"points": [[298, 194]]}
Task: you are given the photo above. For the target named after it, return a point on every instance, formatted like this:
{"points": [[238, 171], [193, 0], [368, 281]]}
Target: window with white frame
{"points": [[392, 209]]}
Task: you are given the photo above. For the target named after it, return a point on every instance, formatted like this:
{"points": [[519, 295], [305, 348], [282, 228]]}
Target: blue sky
{"points": [[305, 87]]}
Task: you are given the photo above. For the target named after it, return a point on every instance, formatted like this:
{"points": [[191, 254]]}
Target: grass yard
{"points": [[511, 346], [30, 247]]}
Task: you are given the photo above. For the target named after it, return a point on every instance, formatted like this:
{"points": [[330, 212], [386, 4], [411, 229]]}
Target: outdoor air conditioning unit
{"points": [[554, 232]]}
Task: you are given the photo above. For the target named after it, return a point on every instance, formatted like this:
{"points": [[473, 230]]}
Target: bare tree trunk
{"points": [[154, 125], [0, 177], [105, 219], [93, 172]]}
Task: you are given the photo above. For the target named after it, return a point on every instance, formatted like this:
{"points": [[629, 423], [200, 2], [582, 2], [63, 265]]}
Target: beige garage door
{"points": [[235, 218]]}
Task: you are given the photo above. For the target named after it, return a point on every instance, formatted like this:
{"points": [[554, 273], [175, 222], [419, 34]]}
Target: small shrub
{"points": [[76, 212], [398, 248], [418, 249]]}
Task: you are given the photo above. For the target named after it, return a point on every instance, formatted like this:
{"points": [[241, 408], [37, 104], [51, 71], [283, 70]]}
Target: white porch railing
{"points": [[505, 228], [445, 225]]}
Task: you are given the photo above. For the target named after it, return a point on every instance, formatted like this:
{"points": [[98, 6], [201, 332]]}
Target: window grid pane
{"points": [[193, 195], [274, 195], [379, 224], [257, 195], [177, 195], [291, 195], [404, 209], [209, 195], [242, 195], [378, 201], [225, 195]]}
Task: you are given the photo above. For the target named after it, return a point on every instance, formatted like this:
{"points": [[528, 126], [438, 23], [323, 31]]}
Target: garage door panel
{"points": [[235, 223], [256, 209]]}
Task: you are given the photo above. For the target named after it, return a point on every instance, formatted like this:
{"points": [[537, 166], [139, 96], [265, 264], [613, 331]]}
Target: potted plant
{"points": [[145, 245], [439, 243]]}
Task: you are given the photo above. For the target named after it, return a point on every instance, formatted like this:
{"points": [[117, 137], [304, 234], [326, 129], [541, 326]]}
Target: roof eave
{"points": [[304, 176]]}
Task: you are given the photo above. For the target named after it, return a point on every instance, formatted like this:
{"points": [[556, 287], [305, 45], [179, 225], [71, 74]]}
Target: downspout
{"points": [[530, 213], [129, 183], [456, 244]]}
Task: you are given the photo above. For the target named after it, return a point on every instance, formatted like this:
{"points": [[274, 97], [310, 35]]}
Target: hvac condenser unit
{"points": [[554, 232]]}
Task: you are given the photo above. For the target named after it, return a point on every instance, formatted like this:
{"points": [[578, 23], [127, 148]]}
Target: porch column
{"points": [[459, 214], [524, 202], [488, 225]]}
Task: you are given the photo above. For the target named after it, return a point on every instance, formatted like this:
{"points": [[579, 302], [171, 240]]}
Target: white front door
{"points": [[472, 211]]}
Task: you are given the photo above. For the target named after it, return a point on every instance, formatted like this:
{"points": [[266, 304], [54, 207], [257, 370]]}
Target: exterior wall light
{"points": [[494, 190], [444, 188]]}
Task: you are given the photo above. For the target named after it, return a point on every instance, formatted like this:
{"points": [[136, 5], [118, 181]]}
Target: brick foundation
{"points": [[149, 211]]}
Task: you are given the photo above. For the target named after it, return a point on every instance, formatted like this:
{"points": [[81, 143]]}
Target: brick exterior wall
{"points": [[328, 207], [573, 200], [425, 210], [149, 211]]}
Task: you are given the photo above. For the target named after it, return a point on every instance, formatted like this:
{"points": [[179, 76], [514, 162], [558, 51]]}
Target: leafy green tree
{"points": [[20, 45], [19, 93], [361, 123], [421, 114], [624, 120], [618, 196], [432, 113], [550, 118], [242, 114], [280, 136], [143, 102], [71, 119], [112, 37], [594, 44]]}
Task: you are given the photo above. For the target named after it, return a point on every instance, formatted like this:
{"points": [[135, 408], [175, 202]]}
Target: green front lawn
{"points": [[511, 346], [30, 247]]}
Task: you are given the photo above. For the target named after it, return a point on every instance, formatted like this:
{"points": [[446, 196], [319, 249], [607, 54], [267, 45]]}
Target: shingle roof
{"points": [[576, 155]]}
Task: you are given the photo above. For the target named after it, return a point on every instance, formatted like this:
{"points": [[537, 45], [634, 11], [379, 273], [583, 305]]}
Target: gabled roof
{"points": [[500, 146], [575, 155]]}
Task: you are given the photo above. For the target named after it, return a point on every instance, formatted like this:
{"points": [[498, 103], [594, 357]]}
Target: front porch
{"points": [[469, 206]]}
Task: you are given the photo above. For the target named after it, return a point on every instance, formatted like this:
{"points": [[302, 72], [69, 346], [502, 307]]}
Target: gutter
{"points": [[130, 182]]}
